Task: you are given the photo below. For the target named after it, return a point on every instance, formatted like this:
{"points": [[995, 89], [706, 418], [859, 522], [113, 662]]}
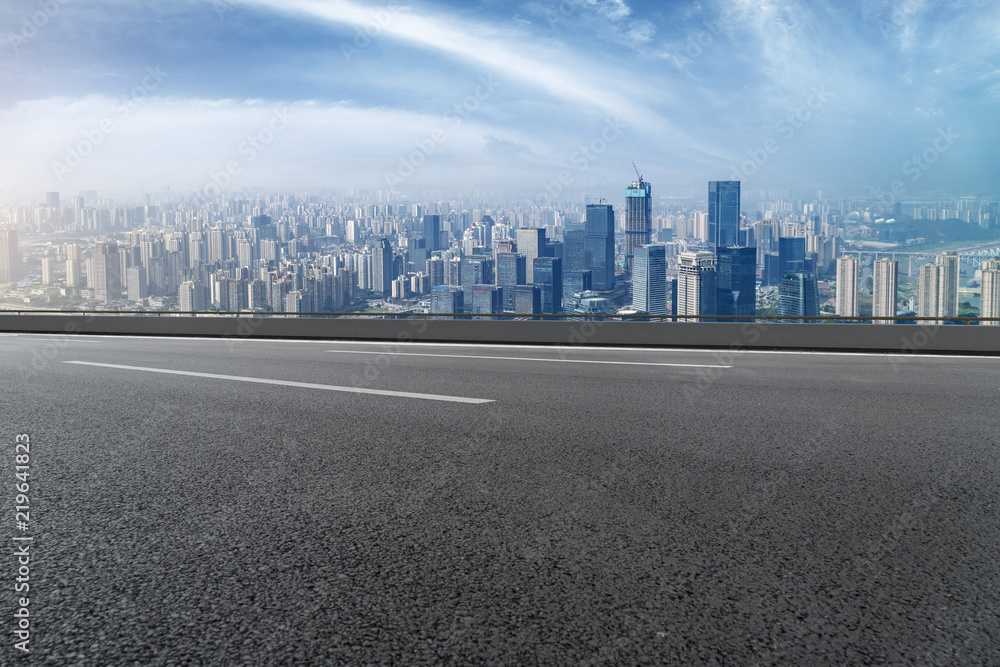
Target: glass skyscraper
{"points": [[736, 282], [574, 244], [798, 294], [432, 232], [599, 245], [649, 280], [548, 278], [724, 213], [638, 217]]}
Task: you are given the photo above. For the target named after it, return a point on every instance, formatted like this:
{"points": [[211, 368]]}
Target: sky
{"points": [[541, 99]]}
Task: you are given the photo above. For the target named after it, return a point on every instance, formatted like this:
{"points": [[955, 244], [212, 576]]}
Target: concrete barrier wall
{"points": [[775, 336]]}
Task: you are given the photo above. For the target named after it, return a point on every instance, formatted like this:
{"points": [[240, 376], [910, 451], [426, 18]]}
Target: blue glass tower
{"points": [[724, 213], [599, 245], [549, 279], [736, 282]]}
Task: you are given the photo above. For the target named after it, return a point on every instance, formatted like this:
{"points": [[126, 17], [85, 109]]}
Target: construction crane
{"points": [[637, 172]]}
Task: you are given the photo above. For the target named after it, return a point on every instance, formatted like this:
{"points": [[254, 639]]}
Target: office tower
{"points": [[528, 300], [192, 297], [10, 256], [798, 295], [432, 232], [486, 299], [937, 287], [138, 288], [885, 287], [52, 200], [696, 284], [549, 279], [531, 244], [418, 254], [599, 245], [435, 271], [791, 254], [575, 283], [724, 213], [991, 290], [447, 299], [848, 268], [574, 247], [649, 280], [475, 270], [383, 267], [736, 282], [106, 281], [638, 216], [511, 272]]}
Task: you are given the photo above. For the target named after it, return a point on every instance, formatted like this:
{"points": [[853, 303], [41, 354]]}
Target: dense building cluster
{"points": [[308, 254]]}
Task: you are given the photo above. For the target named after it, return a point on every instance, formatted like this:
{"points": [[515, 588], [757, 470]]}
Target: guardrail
{"points": [[763, 332], [677, 319]]}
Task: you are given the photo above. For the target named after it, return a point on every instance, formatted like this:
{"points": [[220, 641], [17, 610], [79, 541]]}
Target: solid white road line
{"points": [[286, 383], [566, 361]]}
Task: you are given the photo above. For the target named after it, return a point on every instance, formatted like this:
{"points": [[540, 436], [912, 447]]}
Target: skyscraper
{"points": [[649, 280], [736, 286], [192, 297], [991, 290], [724, 213], [476, 270], [528, 300], [599, 245], [885, 289], [696, 284], [574, 247], [531, 244], [383, 267], [848, 268], [10, 256], [798, 295], [511, 272], [432, 232], [638, 217], [548, 278], [791, 254], [106, 281]]}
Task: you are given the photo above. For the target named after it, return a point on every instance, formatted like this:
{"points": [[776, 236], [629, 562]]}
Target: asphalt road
{"points": [[745, 509]]}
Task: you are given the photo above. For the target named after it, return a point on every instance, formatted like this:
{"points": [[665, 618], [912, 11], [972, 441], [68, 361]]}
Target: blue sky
{"points": [[779, 93]]}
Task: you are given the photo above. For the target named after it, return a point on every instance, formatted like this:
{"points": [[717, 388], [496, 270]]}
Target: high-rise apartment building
{"points": [[937, 287], [599, 245], [885, 288], [724, 213], [736, 282], [696, 284], [192, 297], [649, 280], [848, 270], [991, 290], [10, 256]]}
